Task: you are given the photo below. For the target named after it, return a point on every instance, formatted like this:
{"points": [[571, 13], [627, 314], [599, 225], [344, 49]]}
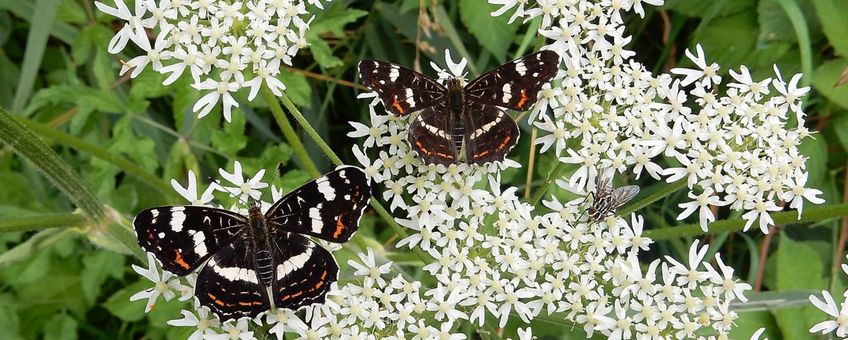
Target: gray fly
{"points": [[606, 199]]}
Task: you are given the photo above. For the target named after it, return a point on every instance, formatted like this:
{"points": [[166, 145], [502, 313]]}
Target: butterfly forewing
{"points": [[182, 238], [430, 134], [401, 90], [516, 84], [229, 284], [328, 208], [491, 133], [303, 273]]}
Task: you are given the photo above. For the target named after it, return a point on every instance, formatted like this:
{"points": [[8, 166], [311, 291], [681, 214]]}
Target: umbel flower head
{"points": [[224, 46], [496, 258]]}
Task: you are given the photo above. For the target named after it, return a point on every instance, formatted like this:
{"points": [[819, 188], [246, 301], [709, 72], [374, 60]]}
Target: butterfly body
{"points": [[249, 264], [461, 121]]}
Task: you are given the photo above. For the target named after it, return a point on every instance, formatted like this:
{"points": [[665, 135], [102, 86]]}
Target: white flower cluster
{"points": [[838, 325], [735, 149], [166, 285], [495, 258], [224, 45]]}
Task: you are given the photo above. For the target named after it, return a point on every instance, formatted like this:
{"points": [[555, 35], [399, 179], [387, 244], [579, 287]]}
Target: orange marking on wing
{"points": [[522, 100], [481, 154], [215, 299], [504, 143], [396, 105], [150, 235], [428, 152], [179, 260], [250, 303], [339, 226]]}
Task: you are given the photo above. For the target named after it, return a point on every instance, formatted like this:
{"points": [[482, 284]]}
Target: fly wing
{"points": [[620, 196]]}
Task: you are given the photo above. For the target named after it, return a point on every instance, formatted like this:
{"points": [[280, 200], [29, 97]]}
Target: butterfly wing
{"points": [[229, 285], [303, 273], [490, 133], [516, 84], [183, 237], [430, 135], [328, 207], [402, 90]]}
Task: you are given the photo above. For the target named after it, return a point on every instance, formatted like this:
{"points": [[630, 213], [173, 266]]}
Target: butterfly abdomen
{"points": [[265, 266]]}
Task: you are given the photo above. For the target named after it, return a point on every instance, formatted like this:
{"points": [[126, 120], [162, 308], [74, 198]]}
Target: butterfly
{"points": [[606, 199], [455, 116], [249, 264]]}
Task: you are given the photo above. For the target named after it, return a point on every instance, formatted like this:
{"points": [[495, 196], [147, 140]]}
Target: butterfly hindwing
{"points": [[490, 133], [328, 208], [402, 90], [229, 284], [516, 84], [431, 135], [182, 238], [303, 273]]}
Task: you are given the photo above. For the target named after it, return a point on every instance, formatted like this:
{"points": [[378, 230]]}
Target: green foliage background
{"points": [[65, 242]]}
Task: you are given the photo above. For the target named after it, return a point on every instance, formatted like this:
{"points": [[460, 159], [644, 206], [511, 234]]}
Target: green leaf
{"points": [[231, 138], [798, 259], [832, 13], [39, 31], [773, 19], [61, 327], [322, 52], [494, 34], [136, 147], [817, 164], [297, 88], [824, 81], [10, 322], [702, 9], [119, 304], [97, 268], [730, 53]]}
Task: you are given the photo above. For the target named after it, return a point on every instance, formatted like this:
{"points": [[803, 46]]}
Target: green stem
{"points": [[812, 214], [41, 240], [552, 177], [122, 163], [653, 197], [27, 145], [28, 223], [289, 133], [796, 18], [298, 116]]}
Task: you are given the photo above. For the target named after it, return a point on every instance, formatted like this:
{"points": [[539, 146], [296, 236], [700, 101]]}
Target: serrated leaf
{"points": [[322, 53], [230, 139], [832, 13], [494, 34], [119, 303], [297, 88], [138, 148], [85, 98], [96, 269]]}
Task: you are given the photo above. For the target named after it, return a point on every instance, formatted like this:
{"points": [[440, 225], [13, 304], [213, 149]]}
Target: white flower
{"points": [[243, 189], [829, 306], [163, 284], [190, 191], [225, 46], [204, 323], [236, 330]]}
